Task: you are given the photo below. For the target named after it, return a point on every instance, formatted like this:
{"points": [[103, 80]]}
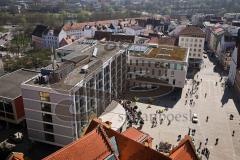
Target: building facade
{"points": [[80, 89], [151, 67], [11, 102], [52, 38], [193, 38]]}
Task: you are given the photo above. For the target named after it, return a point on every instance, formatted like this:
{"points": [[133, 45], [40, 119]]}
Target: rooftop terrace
{"points": [[162, 52]]}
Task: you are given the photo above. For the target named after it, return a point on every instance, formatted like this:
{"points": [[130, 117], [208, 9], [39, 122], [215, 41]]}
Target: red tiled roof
{"points": [[128, 148], [16, 156], [184, 151], [78, 26], [163, 40], [96, 145], [192, 31], [135, 134], [92, 146]]}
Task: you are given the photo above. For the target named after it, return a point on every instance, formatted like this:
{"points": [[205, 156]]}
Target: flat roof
{"points": [[164, 52], [104, 52], [10, 83]]}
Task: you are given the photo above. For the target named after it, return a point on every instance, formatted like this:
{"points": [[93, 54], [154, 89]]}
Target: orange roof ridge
{"points": [[60, 154], [105, 137], [179, 153]]}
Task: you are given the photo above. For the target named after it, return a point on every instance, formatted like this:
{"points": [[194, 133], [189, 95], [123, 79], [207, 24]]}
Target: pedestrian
{"points": [[233, 133], [189, 131], [200, 144], [207, 119], [205, 95], [216, 141], [206, 141], [201, 79], [156, 147], [216, 83]]}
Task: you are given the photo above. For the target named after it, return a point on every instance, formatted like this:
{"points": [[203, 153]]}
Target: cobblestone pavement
{"points": [[217, 105]]}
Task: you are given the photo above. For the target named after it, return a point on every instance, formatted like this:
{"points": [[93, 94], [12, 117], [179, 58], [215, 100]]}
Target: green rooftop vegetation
{"points": [[169, 53]]}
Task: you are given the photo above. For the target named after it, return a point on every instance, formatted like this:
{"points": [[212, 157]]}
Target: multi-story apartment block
{"points": [[164, 65], [60, 102], [193, 37]]}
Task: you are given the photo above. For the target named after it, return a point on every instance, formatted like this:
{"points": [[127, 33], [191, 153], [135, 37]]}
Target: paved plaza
{"points": [[217, 105]]}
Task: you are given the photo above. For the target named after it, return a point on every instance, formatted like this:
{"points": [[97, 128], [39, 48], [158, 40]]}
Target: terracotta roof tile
{"points": [[192, 31], [96, 145], [184, 151], [92, 146], [135, 134], [130, 149]]}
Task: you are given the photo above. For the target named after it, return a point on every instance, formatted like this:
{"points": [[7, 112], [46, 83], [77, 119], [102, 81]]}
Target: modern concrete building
{"points": [[61, 101], [193, 37], [150, 67], [11, 102]]}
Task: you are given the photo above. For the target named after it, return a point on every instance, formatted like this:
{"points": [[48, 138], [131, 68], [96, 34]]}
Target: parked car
{"points": [[195, 118]]}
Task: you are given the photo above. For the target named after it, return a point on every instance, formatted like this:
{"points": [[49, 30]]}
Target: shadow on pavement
{"points": [[169, 101]]}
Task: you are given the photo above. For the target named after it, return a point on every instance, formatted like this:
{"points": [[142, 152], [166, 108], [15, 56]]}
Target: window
{"points": [[200, 45], [172, 73], [149, 64], [182, 39], [49, 137], [174, 81], [9, 116], [200, 50], [44, 96], [142, 62], [1, 106], [159, 72], [153, 71], [46, 107], [200, 40], [140, 70], [130, 62], [47, 117], [48, 127], [136, 62], [199, 55], [8, 107]]}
